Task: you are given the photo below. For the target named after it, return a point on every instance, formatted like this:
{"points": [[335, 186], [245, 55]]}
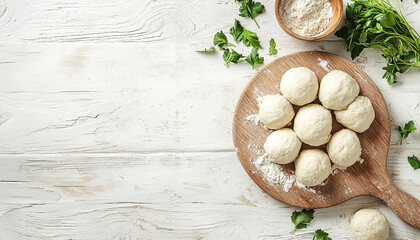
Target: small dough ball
{"points": [[369, 224], [313, 124], [282, 146], [344, 148], [358, 116], [312, 167], [337, 90], [299, 85], [275, 111]]}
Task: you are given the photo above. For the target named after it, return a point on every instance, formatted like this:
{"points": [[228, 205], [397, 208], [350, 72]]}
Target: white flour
{"points": [[306, 17], [253, 118], [323, 64], [274, 173]]}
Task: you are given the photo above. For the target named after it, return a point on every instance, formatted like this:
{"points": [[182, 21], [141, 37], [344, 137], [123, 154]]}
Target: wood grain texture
{"points": [[164, 124]]}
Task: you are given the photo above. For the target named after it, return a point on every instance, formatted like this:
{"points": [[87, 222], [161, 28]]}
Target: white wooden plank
{"points": [[144, 21], [181, 196], [61, 98]]}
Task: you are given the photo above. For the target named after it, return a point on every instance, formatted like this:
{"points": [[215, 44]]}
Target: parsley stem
{"points": [[256, 22]]}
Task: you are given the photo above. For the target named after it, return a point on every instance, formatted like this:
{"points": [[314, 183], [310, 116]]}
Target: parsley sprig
{"points": [[414, 162], [272, 50], [251, 9], [207, 50], [302, 218], [254, 58], [378, 24], [221, 40], [408, 128], [321, 235], [231, 56], [240, 33]]}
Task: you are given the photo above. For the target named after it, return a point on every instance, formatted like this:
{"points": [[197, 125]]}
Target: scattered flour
{"points": [[253, 118], [260, 100], [335, 171], [323, 64], [361, 160], [274, 172], [306, 17], [301, 186]]}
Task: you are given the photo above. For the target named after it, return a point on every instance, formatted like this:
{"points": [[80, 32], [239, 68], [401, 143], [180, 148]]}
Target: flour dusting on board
{"points": [[323, 64], [253, 118], [274, 172]]}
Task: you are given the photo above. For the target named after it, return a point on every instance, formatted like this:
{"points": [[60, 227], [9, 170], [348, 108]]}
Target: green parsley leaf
{"points": [[254, 58], [251, 9], [221, 40], [321, 235], [416, 1], [207, 50], [272, 50], [408, 128], [250, 38], [414, 162], [302, 218], [237, 31], [240, 33], [231, 56]]}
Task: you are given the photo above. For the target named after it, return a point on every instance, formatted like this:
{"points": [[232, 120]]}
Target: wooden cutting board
{"points": [[369, 177]]}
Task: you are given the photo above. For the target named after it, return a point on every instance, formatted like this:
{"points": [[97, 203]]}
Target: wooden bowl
{"points": [[337, 6]]}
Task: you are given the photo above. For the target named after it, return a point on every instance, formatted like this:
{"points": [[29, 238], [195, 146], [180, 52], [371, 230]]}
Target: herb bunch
{"points": [[378, 24]]}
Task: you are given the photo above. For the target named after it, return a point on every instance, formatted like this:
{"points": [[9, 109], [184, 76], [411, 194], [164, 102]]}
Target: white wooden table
{"points": [[112, 127]]}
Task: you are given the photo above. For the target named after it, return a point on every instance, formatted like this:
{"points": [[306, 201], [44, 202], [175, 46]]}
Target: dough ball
{"points": [[337, 90], [299, 85], [313, 166], [282, 146], [313, 124], [344, 148], [358, 116], [369, 224], [275, 111]]}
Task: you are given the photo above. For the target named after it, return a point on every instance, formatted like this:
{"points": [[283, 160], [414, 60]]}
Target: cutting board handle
{"points": [[403, 204]]}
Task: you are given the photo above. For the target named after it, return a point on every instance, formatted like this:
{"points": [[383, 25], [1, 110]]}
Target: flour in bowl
{"points": [[306, 17]]}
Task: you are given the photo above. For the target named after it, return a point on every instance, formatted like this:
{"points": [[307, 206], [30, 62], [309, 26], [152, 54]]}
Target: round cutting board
{"points": [[367, 177]]}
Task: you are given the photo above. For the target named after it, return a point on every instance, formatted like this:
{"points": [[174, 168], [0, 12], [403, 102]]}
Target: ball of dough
{"points": [[313, 124], [275, 111], [337, 90], [312, 167], [282, 146], [358, 116], [299, 85], [344, 148], [369, 224]]}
